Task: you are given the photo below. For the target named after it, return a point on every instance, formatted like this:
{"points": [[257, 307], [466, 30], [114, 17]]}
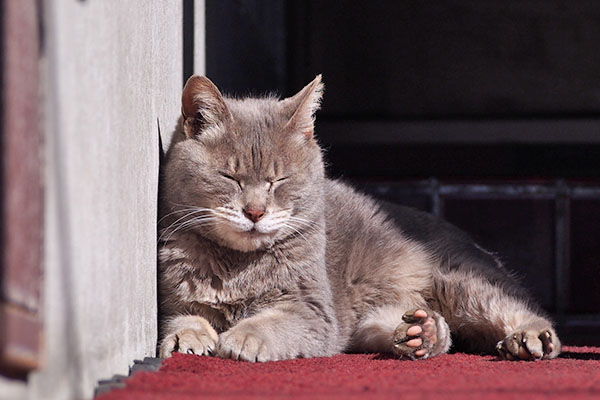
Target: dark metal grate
{"points": [[561, 249]]}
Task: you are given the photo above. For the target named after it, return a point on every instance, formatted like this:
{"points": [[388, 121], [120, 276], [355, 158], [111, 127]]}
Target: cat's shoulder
{"points": [[442, 239], [343, 198], [337, 190]]}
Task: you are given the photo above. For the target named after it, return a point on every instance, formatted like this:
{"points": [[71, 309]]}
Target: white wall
{"points": [[199, 37], [113, 72]]}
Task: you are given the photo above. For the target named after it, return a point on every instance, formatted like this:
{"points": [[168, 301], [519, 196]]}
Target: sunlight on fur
{"points": [[263, 258]]}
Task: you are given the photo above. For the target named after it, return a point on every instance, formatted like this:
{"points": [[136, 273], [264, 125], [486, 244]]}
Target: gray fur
{"points": [[326, 269]]}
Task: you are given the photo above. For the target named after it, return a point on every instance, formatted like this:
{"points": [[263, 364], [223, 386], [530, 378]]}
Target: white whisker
{"points": [[198, 221], [177, 211], [295, 230], [189, 214], [228, 211]]}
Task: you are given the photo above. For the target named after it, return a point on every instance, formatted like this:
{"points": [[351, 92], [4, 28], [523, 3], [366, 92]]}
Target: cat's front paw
{"points": [[247, 344], [189, 335], [423, 334], [529, 345]]}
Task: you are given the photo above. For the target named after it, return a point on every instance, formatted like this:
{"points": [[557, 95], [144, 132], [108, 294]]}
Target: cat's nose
{"points": [[254, 214]]}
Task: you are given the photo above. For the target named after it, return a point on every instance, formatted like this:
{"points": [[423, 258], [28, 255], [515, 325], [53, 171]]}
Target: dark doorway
{"points": [[486, 113]]}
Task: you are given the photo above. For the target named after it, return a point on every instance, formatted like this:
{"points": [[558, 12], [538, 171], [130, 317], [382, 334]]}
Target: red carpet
{"points": [[576, 375]]}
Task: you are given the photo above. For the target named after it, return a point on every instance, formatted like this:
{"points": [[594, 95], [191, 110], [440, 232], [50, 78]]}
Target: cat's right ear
{"points": [[202, 106]]}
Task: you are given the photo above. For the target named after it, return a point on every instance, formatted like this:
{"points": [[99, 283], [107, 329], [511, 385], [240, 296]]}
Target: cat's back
{"points": [[352, 215], [360, 227], [346, 207]]}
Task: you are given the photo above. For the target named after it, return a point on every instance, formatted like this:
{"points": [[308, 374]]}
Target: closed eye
{"points": [[224, 175], [273, 182], [231, 178]]}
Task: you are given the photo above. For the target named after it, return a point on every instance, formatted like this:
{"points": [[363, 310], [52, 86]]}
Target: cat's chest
{"points": [[198, 273]]}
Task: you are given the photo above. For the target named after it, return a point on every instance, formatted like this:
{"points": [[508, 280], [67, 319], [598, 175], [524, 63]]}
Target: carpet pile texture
{"points": [[575, 375]]}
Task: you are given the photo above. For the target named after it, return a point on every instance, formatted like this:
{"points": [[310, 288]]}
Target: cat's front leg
{"points": [[189, 334], [279, 333]]}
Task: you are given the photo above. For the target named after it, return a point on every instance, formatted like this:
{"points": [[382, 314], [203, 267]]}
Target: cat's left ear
{"points": [[302, 106]]}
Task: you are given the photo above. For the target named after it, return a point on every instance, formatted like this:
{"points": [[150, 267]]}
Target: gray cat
{"points": [[261, 257]]}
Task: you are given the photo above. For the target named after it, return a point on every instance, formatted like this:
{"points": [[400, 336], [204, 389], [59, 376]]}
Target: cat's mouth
{"points": [[255, 232]]}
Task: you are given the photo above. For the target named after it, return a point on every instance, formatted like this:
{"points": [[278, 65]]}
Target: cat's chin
{"points": [[247, 241]]}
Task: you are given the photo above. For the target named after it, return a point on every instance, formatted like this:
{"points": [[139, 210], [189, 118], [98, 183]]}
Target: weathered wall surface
{"points": [[113, 75]]}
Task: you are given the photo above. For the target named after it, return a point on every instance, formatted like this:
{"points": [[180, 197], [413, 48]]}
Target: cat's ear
{"points": [[302, 106], [202, 106]]}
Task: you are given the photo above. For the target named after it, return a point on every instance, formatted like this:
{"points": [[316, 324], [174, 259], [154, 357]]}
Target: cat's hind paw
{"points": [[529, 345], [422, 334]]}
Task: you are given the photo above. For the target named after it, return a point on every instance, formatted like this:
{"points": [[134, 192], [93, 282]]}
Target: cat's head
{"points": [[244, 172]]}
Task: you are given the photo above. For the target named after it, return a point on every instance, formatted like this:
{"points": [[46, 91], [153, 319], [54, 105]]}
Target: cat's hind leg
{"points": [[529, 344], [415, 333], [421, 334], [492, 315]]}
